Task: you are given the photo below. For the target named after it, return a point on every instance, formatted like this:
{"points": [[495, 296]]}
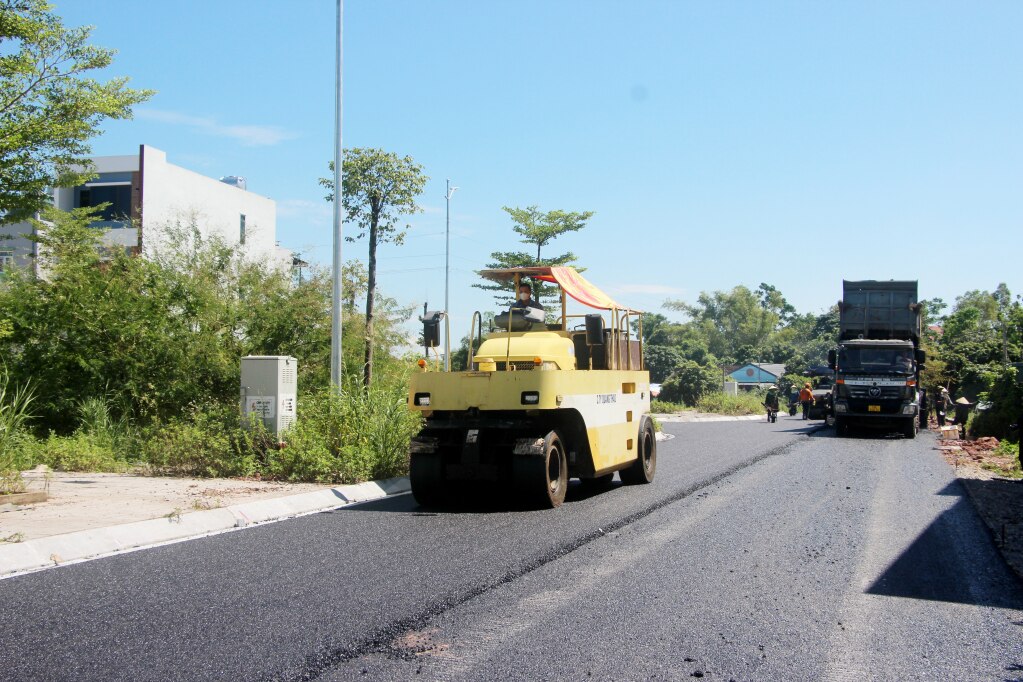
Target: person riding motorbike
{"points": [[771, 403]]}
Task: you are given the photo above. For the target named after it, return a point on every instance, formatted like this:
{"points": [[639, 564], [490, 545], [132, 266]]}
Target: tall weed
{"points": [[210, 442], [14, 412], [347, 436]]}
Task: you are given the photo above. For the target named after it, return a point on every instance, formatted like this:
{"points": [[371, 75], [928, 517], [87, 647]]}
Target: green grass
{"points": [[666, 407], [723, 403], [1010, 451], [78, 452], [716, 403]]}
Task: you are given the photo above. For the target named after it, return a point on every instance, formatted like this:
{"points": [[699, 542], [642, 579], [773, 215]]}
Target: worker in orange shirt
{"points": [[806, 398]]}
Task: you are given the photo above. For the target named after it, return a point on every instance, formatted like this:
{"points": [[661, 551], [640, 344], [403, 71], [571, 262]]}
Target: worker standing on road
{"points": [[941, 406], [806, 398]]}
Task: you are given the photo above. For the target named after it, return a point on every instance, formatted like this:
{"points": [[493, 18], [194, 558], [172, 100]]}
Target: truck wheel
{"points": [[426, 476], [841, 426], [543, 481], [643, 469], [909, 428]]}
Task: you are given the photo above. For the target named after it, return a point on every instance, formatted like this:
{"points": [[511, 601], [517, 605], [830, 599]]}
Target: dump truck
{"points": [[540, 402], [878, 360]]}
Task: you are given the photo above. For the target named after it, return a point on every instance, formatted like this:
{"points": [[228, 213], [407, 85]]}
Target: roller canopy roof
{"points": [[574, 284]]}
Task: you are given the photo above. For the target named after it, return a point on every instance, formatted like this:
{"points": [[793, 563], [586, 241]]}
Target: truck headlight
{"points": [[422, 399], [530, 398], [909, 409], [841, 407]]}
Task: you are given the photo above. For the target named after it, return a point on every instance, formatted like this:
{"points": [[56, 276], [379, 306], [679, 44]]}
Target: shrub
{"points": [[746, 402], [348, 436], [77, 452], [209, 443], [14, 412], [1006, 398], [666, 407], [1011, 451]]}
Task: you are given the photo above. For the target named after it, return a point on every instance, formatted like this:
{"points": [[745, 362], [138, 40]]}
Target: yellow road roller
{"points": [[545, 398]]}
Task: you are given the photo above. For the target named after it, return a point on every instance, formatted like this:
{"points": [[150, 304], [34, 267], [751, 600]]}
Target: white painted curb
{"points": [[684, 419], [56, 550]]}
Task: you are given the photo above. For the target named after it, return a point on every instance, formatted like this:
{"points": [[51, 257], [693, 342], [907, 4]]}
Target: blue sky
{"points": [[719, 143]]}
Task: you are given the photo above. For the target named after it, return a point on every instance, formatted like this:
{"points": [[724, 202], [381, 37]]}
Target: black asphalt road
{"points": [[761, 551]]}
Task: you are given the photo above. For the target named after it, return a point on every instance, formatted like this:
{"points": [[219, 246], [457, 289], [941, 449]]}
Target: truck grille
{"points": [[874, 393]]}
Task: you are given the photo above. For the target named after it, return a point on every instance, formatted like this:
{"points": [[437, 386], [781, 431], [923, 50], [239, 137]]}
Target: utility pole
{"points": [[447, 268]]}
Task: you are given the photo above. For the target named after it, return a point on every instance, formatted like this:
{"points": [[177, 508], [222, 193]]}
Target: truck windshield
{"points": [[878, 360]]}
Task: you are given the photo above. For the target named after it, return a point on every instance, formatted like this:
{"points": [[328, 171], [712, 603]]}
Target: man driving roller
{"points": [[532, 308]]}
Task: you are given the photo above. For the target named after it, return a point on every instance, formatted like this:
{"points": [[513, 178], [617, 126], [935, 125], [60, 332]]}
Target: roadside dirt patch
{"points": [[83, 501], [998, 500]]}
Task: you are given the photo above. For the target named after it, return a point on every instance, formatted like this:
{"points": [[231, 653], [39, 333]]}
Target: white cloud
{"points": [[248, 135]]}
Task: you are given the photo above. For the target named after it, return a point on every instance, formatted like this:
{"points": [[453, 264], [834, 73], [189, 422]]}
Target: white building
{"points": [[146, 195]]}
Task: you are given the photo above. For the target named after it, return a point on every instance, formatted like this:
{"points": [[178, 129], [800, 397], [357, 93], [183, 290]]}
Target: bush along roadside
{"points": [[745, 403], [346, 436], [342, 436], [15, 403]]}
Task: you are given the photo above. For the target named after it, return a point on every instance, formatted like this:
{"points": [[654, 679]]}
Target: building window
{"points": [[118, 198], [6, 260], [241, 229]]}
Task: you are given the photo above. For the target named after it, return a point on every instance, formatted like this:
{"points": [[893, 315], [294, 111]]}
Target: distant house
{"points": [[756, 375]]}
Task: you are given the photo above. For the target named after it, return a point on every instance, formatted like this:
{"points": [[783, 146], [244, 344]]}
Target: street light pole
{"points": [[447, 268], [335, 305]]}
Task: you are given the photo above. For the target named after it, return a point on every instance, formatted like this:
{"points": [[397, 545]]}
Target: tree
{"points": [[48, 110], [378, 189], [538, 229], [689, 382], [735, 323], [772, 299], [661, 360], [804, 342], [147, 340]]}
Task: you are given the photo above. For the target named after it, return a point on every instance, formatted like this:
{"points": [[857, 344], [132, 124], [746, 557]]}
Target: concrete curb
{"points": [[58, 550], [688, 419]]}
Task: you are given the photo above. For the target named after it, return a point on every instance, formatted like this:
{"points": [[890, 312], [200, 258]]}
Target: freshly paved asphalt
{"points": [[761, 551]]}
